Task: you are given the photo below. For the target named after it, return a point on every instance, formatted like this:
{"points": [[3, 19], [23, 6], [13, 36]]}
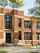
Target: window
{"points": [[38, 24], [8, 37], [38, 36], [27, 36], [19, 22], [27, 24], [8, 21]]}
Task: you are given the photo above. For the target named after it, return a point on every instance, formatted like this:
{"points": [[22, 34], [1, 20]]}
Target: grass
{"points": [[3, 52]]}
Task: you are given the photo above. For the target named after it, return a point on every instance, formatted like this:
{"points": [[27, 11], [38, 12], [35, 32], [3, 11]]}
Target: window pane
{"points": [[27, 24], [8, 21], [38, 36], [8, 37], [38, 24], [27, 36]]}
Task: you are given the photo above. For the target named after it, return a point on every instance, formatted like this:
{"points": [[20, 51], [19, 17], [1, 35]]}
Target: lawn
{"points": [[3, 52]]}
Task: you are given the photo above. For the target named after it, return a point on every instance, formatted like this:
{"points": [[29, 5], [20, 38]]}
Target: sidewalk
{"points": [[17, 49]]}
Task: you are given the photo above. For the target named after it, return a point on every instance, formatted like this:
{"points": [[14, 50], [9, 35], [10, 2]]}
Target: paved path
{"points": [[16, 49]]}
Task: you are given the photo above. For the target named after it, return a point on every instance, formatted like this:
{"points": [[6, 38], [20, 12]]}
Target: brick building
{"points": [[15, 26]]}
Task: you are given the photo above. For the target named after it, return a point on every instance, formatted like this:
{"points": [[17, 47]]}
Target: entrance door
{"points": [[8, 37]]}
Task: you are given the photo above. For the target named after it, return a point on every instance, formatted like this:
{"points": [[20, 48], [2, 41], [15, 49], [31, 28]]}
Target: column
{"points": [[34, 36]]}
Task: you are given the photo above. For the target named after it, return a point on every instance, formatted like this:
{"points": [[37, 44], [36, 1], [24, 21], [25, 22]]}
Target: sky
{"points": [[27, 5]]}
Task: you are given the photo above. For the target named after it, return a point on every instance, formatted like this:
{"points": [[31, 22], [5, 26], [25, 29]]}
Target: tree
{"points": [[3, 2], [36, 10], [12, 3], [19, 3]]}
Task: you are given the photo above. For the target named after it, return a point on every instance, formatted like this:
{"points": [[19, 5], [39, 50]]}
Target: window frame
{"points": [[8, 22], [38, 25], [28, 22], [29, 35]]}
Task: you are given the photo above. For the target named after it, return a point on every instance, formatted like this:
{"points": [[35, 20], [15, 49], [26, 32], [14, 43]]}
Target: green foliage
{"points": [[31, 10], [35, 11], [12, 1], [3, 52], [18, 2], [3, 2]]}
